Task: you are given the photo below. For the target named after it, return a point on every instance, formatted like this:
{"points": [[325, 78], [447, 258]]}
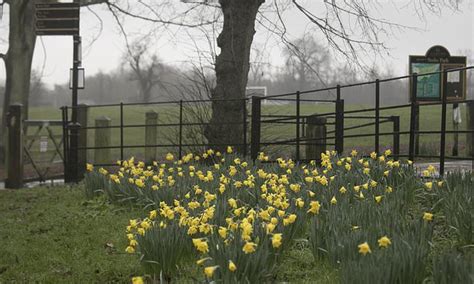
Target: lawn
{"points": [[54, 235]]}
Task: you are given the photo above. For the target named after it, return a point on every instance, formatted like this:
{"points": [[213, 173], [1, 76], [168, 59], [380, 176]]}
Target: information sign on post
{"points": [[57, 19], [430, 87]]}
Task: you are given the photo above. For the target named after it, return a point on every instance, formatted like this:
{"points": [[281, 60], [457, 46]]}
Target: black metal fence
{"points": [[254, 119]]}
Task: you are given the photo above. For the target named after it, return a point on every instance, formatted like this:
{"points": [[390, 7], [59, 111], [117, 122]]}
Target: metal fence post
{"points": [[298, 113], [65, 143], [74, 152], [443, 126], [244, 110], [255, 131], [180, 147], [82, 117], [411, 151], [377, 116], [121, 132], [396, 137], [339, 122], [15, 147]]}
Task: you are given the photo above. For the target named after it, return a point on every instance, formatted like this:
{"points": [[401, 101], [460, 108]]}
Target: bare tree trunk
{"points": [[18, 60], [232, 68]]}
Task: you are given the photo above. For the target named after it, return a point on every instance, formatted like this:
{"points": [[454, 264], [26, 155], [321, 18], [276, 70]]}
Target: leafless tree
{"points": [[307, 62], [145, 68]]}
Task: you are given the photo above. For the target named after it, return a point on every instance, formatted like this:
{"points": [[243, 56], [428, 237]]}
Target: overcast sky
{"points": [[53, 55]]}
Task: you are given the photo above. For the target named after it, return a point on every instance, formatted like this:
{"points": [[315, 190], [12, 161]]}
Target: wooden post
{"points": [[102, 139], [15, 147], [151, 120], [315, 137], [470, 126], [82, 116]]}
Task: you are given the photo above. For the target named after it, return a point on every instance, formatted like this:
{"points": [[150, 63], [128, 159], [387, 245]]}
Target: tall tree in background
{"points": [[145, 69], [307, 62]]}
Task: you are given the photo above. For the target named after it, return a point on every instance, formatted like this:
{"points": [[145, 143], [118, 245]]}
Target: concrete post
{"points": [[102, 139], [151, 120], [316, 137]]}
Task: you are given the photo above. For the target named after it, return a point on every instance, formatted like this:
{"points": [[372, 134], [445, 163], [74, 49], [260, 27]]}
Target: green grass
{"points": [[429, 144], [53, 235]]}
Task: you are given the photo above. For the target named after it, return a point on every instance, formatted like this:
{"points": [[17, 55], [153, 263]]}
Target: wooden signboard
{"points": [[57, 18], [430, 87]]}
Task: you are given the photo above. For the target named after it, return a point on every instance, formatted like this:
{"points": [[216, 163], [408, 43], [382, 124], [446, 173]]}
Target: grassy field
{"points": [[133, 115], [53, 235]]}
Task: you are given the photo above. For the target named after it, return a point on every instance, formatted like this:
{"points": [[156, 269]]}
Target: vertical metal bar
{"points": [[180, 147], [64, 139], [417, 128], [377, 116], [396, 137], [443, 125], [411, 150], [255, 131], [339, 109], [121, 132], [67, 153], [298, 110], [244, 110]]}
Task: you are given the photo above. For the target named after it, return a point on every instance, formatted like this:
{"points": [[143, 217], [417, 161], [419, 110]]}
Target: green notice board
{"points": [[428, 86]]}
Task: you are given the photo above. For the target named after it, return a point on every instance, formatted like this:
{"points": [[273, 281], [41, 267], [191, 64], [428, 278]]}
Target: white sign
{"points": [[43, 144]]}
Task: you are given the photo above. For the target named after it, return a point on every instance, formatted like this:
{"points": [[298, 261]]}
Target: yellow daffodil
{"points": [[378, 198], [249, 247], [201, 245], [384, 242], [169, 157], [137, 280], [314, 207], [333, 200], [209, 271], [130, 249], [232, 266], [276, 240], [427, 216], [364, 248], [222, 232], [89, 167]]}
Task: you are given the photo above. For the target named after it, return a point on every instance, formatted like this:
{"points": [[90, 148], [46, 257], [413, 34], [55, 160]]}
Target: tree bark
{"points": [[232, 68], [18, 60]]}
